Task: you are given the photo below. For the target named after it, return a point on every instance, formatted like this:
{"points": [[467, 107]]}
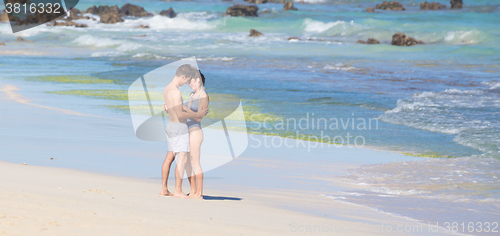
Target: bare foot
{"points": [[165, 192], [180, 195], [196, 196]]}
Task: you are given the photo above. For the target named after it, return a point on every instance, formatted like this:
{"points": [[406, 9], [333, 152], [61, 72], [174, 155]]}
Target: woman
{"points": [[199, 98]]}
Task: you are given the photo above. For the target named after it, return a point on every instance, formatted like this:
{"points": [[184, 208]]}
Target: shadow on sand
{"points": [[219, 198]]}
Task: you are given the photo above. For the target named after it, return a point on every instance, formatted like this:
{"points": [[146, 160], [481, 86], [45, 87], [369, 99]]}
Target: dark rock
{"points": [[100, 10], [370, 9], [391, 6], [400, 39], [254, 33], [111, 18], [38, 18], [81, 25], [431, 6], [168, 13], [293, 38], [311, 39], [133, 10], [75, 14], [256, 1], [242, 10], [142, 26], [369, 41], [4, 17], [456, 4], [289, 6], [61, 23]]}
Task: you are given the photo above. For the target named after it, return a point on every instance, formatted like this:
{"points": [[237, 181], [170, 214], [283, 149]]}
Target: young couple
{"points": [[184, 132]]}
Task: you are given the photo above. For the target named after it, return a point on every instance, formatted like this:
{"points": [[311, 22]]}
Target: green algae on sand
{"points": [[71, 79]]}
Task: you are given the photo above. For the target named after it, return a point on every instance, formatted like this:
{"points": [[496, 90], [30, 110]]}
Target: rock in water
{"points": [[111, 18], [4, 17], [20, 39], [456, 4], [242, 10], [256, 1], [254, 33], [2, 44], [400, 39], [370, 9], [289, 7], [369, 41], [391, 6], [100, 10], [74, 14], [168, 13], [431, 6], [133, 10]]}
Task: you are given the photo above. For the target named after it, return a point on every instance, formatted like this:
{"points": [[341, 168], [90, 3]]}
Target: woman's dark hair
{"points": [[202, 77]]}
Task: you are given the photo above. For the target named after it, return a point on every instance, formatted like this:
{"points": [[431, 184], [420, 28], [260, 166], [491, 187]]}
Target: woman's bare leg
{"points": [[195, 141], [190, 174]]}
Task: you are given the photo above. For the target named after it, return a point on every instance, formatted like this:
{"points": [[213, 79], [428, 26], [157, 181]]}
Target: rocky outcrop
{"points": [[256, 1], [289, 7], [168, 13], [142, 26], [293, 38], [456, 4], [369, 41], [254, 33], [2, 44], [431, 6], [133, 10], [100, 10], [66, 23], [4, 17], [38, 18], [19, 39], [242, 10], [400, 39], [391, 6], [111, 18], [370, 9]]}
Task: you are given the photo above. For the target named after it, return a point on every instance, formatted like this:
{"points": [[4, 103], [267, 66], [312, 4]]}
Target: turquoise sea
{"points": [[440, 100]]}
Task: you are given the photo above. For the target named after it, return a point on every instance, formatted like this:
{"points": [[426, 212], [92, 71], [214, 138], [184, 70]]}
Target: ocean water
{"points": [[440, 99]]}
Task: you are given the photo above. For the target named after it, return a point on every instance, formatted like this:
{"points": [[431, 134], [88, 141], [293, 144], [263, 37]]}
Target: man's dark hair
{"points": [[186, 70]]}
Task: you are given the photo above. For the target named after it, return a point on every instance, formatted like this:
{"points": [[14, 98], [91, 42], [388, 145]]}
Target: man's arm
{"points": [[188, 113], [204, 101]]}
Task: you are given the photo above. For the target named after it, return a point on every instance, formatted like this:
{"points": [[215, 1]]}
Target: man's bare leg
{"points": [[165, 171], [179, 174]]}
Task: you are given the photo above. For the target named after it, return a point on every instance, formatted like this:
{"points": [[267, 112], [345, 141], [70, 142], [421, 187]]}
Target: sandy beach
{"points": [[55, 201]]}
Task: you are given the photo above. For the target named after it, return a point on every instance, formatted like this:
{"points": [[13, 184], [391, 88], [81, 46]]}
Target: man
{"points": [[177, 129]]}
